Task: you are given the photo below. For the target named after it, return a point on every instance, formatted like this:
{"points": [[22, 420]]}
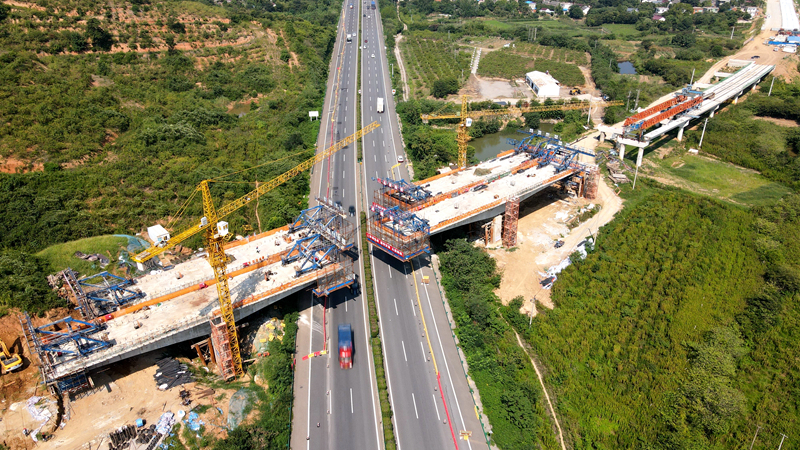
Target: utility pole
{"points": [[634, 178], [754, 437], [628, 105], [690, 83], [770, 87], [732, 28], [784, 437], [462, 72], [533, 304], [534, 34], [636, 105], [700, 145]]}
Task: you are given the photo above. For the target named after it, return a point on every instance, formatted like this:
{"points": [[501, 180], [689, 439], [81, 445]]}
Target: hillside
{"points": [[113, 112], [676, 331]]}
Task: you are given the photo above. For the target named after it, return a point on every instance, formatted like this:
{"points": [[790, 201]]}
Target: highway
{"points": [[336, 408], [429, 411]]}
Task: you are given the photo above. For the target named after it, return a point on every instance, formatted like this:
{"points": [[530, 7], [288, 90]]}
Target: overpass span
{"points": [[405, 215]]}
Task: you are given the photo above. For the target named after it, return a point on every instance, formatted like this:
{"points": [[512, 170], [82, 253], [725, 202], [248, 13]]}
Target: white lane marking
{"points": [[385, 159], [310, 341], [412, 308], [436, 407], [344, 156], [424, 359], [376, 174], [404, 351], [343, 194], [446, 366], [375, 157], [373, 142], [384, 143], [351, 400], [345, 306], [330, 402], [390, 272], [397, 313], [414, 399], [343, 174]]}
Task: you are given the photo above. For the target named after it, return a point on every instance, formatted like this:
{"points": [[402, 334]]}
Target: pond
{"points": [[491, 145], [626, 68]]}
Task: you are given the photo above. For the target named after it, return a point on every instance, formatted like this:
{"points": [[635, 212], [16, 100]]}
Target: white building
{"points": [[543, 84]]}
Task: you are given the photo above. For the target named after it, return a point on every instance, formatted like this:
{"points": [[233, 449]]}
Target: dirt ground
{"points": [[122, 394], [542, 221]]}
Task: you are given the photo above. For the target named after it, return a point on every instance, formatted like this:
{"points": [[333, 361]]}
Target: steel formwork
{"points": [[396, 231], [107, 292], [510, 221]]}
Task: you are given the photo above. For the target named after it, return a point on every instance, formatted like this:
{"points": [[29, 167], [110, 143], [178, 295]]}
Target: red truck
{"points": [[345, 346]]}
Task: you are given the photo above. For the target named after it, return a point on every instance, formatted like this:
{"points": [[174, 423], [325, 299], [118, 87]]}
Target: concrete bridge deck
{"points": [[504, 181], [176, 310]]}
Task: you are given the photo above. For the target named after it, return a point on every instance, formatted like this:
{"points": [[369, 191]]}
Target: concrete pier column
{"points": [[680, 133], [711, 116], [639, 157], [736, 100], [621, 149]]}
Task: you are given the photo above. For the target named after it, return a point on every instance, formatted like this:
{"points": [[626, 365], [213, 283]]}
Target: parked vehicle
{"points": [[380, 103]]}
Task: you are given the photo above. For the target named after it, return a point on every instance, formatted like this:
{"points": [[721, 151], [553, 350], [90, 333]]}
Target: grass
{"points": [[624, 31], [430, 57], [720, 180], [507, 63], [61, 256]]}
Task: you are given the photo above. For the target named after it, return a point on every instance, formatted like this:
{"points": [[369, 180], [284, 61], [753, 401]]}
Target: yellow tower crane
{"points": [[216, 233], [467, 116]]}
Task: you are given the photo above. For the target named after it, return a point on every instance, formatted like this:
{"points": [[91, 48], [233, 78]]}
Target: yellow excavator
{"points": [[8, 361]]}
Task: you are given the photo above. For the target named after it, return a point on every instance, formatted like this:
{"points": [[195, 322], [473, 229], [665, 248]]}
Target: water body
{"points": [[491, 145], [626, 68]]}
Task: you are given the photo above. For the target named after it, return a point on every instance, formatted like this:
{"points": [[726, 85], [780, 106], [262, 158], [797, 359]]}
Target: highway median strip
{"points": [[377, 351]]}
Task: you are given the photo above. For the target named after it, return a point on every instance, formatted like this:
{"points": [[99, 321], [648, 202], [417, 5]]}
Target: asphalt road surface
{"points": [[337, 408], [430, 410]]}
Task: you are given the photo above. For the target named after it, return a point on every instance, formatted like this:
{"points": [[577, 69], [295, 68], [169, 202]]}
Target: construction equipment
{"points": [[467, 116], [9, 361], [575, 91], [216, 234]]}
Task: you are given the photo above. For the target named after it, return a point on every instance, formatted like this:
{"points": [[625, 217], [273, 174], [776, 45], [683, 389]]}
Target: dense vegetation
{"points": [[434, 64], [23, 283], [677, 331], [510, 392], [736, 134], [117, 140], [512, 63], [271, 429]]}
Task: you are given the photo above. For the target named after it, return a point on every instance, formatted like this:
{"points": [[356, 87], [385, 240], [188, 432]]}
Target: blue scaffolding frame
{"points": [[411, 191], [105, 287]]}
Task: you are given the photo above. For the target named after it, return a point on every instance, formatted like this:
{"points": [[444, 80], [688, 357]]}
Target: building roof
{"points": [[541, 78]]}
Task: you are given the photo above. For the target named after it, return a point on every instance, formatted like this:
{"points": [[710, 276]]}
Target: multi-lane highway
{"points": [[431, 401], [336, 408], [430, 397]]}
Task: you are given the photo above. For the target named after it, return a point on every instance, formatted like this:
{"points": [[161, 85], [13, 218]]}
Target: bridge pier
{"points": [[680, 133], [639, 157], [621, 149], [711, 116], [736, 100]]}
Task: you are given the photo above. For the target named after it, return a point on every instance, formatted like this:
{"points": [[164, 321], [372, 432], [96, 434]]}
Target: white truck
{"points": [[380, 104], [349, 38]]}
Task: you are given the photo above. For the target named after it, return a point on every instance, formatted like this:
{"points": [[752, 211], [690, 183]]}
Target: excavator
{"points": [[9, 362]]}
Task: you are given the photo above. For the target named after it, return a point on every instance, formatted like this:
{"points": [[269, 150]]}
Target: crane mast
{"points": [[216, 233]]}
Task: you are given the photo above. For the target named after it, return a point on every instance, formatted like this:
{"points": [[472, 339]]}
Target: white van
{"points": [[380, 104]]}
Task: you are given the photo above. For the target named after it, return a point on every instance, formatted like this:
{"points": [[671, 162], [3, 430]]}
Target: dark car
{"points": [[559, 244], [480, 187], [352, 210]]}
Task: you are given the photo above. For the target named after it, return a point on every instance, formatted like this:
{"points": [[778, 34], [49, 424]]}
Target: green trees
{"points": [[444, 87], [509, 389], [575, 12], [101, 39], [23, 283]]}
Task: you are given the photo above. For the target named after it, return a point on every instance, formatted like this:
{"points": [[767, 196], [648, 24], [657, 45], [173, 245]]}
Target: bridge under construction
{"points": [[404, 215]]}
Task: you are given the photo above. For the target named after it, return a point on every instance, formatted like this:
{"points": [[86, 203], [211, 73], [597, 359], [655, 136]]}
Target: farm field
{"points": [[515, 62], [429, 57]]}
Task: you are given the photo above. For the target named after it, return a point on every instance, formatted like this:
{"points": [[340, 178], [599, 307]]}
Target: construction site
{"points": [[404, 215]]}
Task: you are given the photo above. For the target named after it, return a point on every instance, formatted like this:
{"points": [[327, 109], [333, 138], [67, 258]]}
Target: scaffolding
{"points": [[324, 233], [337, 275], [591, 185], [222, 348], [81, 301], [107, 292], [510, 221], [60, 342], [395, 230]]}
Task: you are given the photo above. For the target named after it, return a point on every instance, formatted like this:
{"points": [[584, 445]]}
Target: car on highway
{"points": [[401, 159], [352, 210], [373, 55], [351, 6]]}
